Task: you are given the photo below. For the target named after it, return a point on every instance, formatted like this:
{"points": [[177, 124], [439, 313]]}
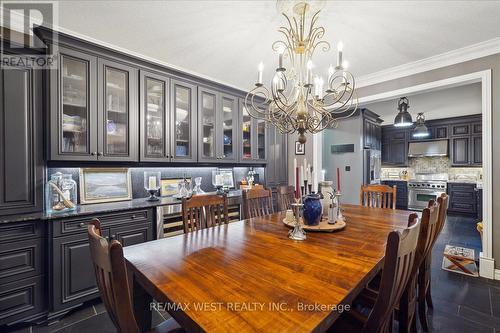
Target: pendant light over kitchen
{"points": [[421, 131], [403, 118]]}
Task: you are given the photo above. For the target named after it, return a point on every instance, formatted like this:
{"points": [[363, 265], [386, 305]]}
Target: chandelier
{"points": [[297, 100]]}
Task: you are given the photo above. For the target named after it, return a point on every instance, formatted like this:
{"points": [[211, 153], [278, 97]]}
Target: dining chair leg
{"points": [[422, 309], [403, 314], [413, 327], [428, 297]]}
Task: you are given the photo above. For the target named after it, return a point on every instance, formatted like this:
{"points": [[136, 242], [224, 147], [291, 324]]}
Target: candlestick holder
{"points": [[335, 211], [152, 195], [297, 233], [152, 181]]}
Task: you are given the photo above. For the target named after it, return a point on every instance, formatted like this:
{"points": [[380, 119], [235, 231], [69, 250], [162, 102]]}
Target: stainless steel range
{"points": [[425, 187]]}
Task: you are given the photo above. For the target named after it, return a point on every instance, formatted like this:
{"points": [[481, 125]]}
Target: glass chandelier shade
{"points": [[403, 118], [297, 100], [421, 131]]}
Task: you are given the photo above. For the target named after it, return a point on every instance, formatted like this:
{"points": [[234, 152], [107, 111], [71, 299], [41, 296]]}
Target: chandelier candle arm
{"points": [[291, 104]]}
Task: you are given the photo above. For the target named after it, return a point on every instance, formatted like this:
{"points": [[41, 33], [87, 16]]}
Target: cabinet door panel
{"points": [[154, 117], [261, 140], [184, 122], [20, 140], [132, 235], [460, 150], [118, 112], [477, 150], [247, 136], [227, 133], [73, 113], [73, 272], [207, 111], [21, 259], [462, 129], [398, 152], [21, 299]]}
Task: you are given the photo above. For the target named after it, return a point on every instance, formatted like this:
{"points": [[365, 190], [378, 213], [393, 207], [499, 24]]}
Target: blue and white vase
{"points": [[312, 209]]}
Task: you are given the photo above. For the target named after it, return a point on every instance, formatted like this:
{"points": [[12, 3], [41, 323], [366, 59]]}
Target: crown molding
{"points": [[471, 52]]}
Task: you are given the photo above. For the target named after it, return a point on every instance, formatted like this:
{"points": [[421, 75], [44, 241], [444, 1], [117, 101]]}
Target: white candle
{"points": [[309, 72], [313, 180], [301, 174], [308, 173], [340, 48], [261, 69], [281, 50], [323, 175], [152, 182]]}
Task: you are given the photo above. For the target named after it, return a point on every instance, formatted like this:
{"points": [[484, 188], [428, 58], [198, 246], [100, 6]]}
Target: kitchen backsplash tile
{"points": [[432, 165]]}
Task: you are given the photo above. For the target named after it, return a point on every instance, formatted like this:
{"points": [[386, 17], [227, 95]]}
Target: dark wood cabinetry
{"points": [[277, 168], [466, 143], [401, 192], [73, 280], [21, 164], [463, 198], [22, 271], [372, 134], [394, 147]]}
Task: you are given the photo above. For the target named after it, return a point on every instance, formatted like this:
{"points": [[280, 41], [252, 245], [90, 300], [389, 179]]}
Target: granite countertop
{"points": [[108, 207], [392, 180]]}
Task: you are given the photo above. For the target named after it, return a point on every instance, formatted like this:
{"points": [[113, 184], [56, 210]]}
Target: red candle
{"points": [[338, 179]]}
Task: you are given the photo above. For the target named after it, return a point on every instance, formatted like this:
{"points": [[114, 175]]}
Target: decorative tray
{"points": [[323, 225]]}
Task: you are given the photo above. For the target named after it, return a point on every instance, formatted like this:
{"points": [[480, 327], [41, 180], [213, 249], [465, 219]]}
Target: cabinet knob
{"points": [[133, 216], [81, 224], [100, 153], [93, 153]]}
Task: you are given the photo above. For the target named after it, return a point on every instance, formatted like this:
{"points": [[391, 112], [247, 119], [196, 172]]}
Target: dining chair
{"points": [[406, 308], [204, 211], [257, 202], [286, 197], [424, 272], [112, 281], [380, 196], [399, 261]]}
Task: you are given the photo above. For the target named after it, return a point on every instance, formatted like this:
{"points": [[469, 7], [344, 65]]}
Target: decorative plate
{"points": [[323, 225]]}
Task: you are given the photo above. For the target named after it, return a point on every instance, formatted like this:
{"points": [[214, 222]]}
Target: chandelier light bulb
{"points": [[261, 66], [345, 64], [340, 46], [259, 76]]}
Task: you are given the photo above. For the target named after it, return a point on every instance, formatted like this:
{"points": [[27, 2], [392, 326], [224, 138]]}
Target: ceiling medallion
{"points": [[297, 100]]}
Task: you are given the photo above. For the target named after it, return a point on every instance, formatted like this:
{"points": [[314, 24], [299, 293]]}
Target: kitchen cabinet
{"points": [[394, 147], [466, 144], [463, 199], [118, 114], [94, 109], [401, 192], [73, 280], [277, 167], [218, 113], [22, 271], [21, 139], [183, 122], [254, 138], [372, 134]]}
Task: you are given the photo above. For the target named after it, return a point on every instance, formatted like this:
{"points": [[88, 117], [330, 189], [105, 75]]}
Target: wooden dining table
{"points": [[248, 276]]}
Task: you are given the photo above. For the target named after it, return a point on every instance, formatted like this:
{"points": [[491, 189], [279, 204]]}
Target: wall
{"points": [[349, 131], [490, 62], [137, 176], [446, 103]]}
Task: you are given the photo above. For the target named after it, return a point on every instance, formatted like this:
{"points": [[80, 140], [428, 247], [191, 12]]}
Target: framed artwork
{"points": [[227, 177], [300, 148], [105, 185], [170, 187]]}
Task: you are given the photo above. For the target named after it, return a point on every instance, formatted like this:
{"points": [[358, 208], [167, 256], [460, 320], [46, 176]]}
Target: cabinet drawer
{"points": [[463, 207], [461, 187], [79, 224], [21, 230], [19, 260], [20, 299]]}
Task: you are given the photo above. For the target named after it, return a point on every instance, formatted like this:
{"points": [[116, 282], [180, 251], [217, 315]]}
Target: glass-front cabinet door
{"points": [[118, 116], [247, 135], [207, 113], [74, 107], [228, 113], [154, 122], [183, 122], [261, 140]]}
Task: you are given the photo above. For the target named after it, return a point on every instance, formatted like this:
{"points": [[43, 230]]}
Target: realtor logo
{"points": [[19, 19]]}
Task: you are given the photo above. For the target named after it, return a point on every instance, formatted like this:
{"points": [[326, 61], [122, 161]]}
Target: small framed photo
{"points": [[105, 185], [170, 187], [227, 177], [300, 148]]}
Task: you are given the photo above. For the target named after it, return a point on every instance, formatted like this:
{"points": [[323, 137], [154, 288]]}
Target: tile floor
{"points": [[461, 303]]}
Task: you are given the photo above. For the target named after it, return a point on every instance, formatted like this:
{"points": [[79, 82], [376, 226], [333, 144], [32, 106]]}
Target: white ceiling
{"points": [[452, 102], [225, 40]]}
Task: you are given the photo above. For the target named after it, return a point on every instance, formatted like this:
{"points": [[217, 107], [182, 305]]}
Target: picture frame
{"points": [[228, 176], [99, 185], [300, 148], [169, 187]]}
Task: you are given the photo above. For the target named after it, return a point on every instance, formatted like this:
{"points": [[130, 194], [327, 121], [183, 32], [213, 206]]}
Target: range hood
{"points": [[428, 148]]}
